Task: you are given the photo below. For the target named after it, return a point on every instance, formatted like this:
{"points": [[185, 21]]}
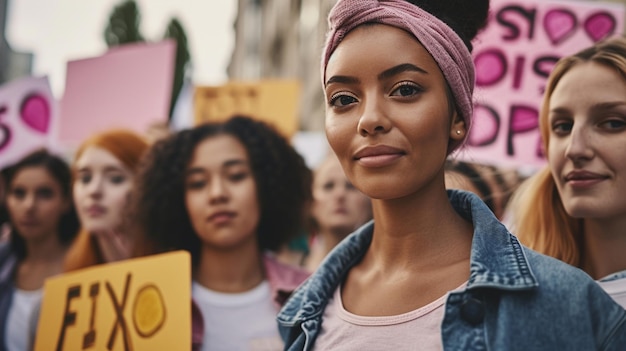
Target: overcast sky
{"points": [[57, 31]]}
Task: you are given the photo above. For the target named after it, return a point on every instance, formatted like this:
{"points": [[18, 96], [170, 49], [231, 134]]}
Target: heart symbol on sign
{"points": [[35, 112], [559, 24], [600, 25], [490, 67]]}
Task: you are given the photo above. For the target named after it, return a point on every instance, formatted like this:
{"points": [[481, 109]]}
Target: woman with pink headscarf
{"points": [[435, 269]]}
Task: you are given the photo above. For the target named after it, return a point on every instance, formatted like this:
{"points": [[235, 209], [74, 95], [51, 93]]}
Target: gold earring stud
{"points": [[458, 132]]}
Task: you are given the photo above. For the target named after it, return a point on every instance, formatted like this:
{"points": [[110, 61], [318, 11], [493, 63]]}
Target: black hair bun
{"points": [[465, 17]]}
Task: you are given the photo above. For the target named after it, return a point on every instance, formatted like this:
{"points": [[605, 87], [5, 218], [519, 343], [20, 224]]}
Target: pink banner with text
{"points": [[513, 56]]}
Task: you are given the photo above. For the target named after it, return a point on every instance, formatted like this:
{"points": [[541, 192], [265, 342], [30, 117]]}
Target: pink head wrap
{"points": [[443, 44]]}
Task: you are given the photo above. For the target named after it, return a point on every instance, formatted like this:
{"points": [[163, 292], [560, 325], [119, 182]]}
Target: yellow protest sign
{"points": [[138, 304], [273, 101]]}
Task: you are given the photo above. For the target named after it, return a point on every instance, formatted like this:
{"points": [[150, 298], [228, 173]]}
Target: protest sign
{"points": [[513, 57], [28, 113], [128, 87], [273, 101], [138, 304]]}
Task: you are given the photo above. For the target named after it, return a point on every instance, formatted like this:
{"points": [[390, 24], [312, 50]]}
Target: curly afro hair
{"points": [[281, 175], [465, 17]]}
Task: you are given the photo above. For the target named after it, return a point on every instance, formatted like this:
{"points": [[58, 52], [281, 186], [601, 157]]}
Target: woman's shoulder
{"points": [[7, 253], [5, 248], [563, 280], [550, 268], [8, 261]]}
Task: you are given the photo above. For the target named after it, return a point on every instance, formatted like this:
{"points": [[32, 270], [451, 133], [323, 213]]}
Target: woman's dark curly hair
{"points": [[60, 171], [465, 17], [282, 178]]}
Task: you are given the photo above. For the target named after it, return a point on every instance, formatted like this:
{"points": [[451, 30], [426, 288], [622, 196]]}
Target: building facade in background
{"points": [[12, 64], [283, 39]]}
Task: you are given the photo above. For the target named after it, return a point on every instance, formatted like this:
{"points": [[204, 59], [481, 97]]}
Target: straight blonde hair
{"points": [[538, 217]]}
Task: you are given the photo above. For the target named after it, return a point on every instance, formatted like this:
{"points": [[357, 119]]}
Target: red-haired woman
{"points": [[104, 167]]}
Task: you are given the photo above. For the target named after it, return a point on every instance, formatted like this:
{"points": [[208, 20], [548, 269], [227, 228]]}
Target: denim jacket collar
{"points": [[497, 261]]}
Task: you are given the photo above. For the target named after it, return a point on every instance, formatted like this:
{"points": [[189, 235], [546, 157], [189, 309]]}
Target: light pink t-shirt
{"points": [[417, 329]]}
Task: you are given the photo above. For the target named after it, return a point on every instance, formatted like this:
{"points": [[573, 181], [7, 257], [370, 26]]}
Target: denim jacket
{"points": [[516, 299]]}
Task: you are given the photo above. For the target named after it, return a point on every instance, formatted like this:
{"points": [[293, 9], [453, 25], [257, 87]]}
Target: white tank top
{"points": [[238, 322], [20, 319]]}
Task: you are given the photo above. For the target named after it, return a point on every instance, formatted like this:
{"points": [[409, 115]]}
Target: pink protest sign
{"points": [[514, 56], [27, 115], [127, 87]]}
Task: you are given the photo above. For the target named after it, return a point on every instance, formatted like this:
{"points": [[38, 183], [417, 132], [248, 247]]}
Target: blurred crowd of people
{"points": [[389, 241]]}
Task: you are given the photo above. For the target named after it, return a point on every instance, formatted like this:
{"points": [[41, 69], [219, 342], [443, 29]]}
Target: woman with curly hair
{"points": [[104, 167], [435, 270], [43, 223], [229, 193]]}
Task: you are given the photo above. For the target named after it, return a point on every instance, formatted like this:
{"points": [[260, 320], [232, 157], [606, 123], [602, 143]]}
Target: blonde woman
{"points": [[575, 208]]}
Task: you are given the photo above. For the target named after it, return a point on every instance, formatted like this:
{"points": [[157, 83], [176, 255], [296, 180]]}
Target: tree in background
{"points": [[175, 31], [123, 28]]}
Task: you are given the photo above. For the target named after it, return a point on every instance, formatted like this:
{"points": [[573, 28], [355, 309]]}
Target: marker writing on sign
{"points": [[148, 314]]}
